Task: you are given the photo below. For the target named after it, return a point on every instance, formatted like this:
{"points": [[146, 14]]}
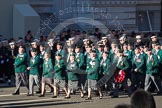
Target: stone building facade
{"points": [[131, 15]]}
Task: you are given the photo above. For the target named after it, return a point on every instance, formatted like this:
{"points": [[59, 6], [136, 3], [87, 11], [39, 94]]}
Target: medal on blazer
{"points": [[58, 65], [46, 64], [122, 63], [152, 61], [104, 64], [78, 60], [33, 60], [158, 57]]}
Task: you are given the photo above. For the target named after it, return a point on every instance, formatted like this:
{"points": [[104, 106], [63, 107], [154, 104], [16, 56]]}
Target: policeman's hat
{"points": [[153, 36], [122, 38], [138, 37], [105, 37], [71, 39], [20, 40], [12, 43], [68, 41], [50, 41], [33, 42], [84, 40]]}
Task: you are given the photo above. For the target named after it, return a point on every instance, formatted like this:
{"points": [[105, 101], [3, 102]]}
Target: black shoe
{"points": [[51, 90], [30, 95], [42, 95], [114, 96], [159, 93], [38, 92], [110, 94], [15, 93], [89, 98], [54, 96], [67, 97]]}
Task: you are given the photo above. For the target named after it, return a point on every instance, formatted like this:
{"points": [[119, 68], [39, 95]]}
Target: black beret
{"points": [[33, 50], [93, 51], [58, 54]]}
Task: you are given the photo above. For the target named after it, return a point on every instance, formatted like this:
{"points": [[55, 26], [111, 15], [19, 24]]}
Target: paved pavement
{"points": [[23, 101]]}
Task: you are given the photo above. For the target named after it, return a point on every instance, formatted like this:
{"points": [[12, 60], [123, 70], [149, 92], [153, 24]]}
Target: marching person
{"points": [[60, 50], [52, 49], [100, 50], [59, 75], [104, 68], [79, 58], [41, 56], [21, 70], [47, 73], [70, 51], [120, 73], [92, 74], [152, 71], [72, 76], [138, 74], [139, 41], [158, 53], [13, 51], [34, 72]]}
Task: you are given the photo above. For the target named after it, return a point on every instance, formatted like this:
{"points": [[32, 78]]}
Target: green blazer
{"points": [[159, 55], [87, 57], [152, 65], [99, 55], [61, 52], [123, 64], [104, 66], [47, 68], [72, 71], [128, 54], [21, 63], [79, 58], [92, 69], [138, 63], [34, 64], [59, 70]]}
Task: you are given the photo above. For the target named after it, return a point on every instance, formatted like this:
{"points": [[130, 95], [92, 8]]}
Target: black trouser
{"points": [[124, 84], [138, 80]]}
